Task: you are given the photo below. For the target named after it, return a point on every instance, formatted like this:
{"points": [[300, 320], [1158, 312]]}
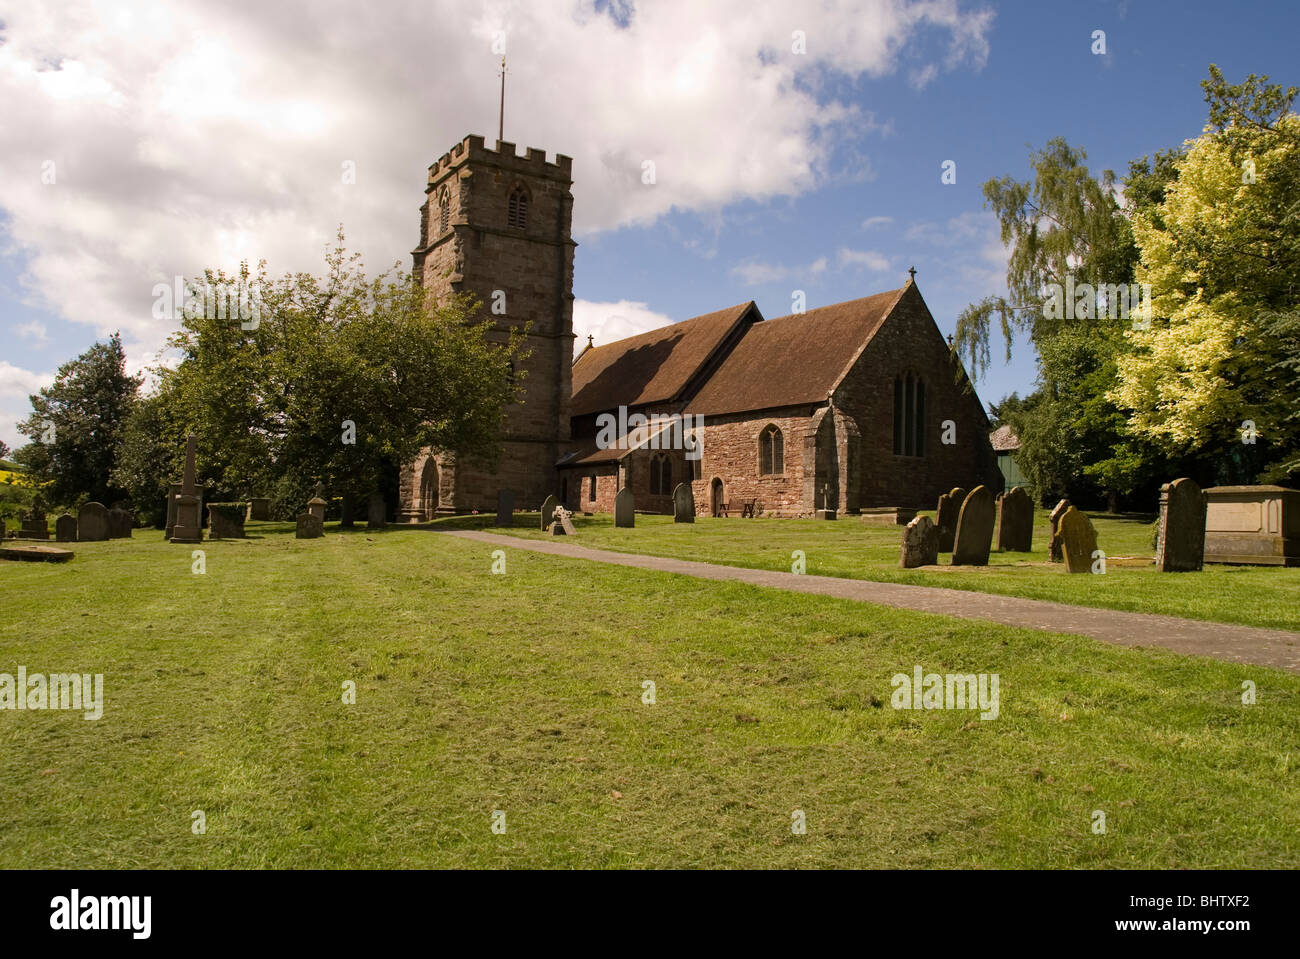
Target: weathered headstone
{"points": [[92, 523], [309, 527], [683, 504], [624, 507], [226, 520], [189, 520], [920, 543], [34, 522], [974, 536], [36, 553], [958, 495], [376, 512], [945, 521], [173, 491], [316, 505], [1181, 544], [259, 509], [65, 529], [505, 507], [120, 522], [1016, 521], [1054, 552], [1078, 541], [565, 518], [1253, 525], [548, 510]]}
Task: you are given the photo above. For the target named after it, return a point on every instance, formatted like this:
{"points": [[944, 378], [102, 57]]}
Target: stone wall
{"points": [[910, 341], [731, 454], [480, 252]]}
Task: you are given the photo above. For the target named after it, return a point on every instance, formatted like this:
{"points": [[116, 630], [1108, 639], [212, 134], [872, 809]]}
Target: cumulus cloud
{"points": [[145, 140], [16, 385], [866, 258], [607, 322], [756, 273]]}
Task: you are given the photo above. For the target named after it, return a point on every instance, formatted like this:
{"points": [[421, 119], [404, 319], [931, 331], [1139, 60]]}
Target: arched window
{"points": [[661, 474], [517, 210], [444, 211], [771, 452], [909, 415]]}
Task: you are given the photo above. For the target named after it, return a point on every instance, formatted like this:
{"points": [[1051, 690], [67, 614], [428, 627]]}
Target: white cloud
{"points": [[871, 222], [756, 273], [607, 322], [34, 331], [183, 137], [868, 258], [16, 385]]}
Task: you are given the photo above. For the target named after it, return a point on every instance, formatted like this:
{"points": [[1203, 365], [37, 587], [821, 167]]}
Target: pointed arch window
{"points": [[517, 209], [909, 415], [444, 211], [661, 474], [771, 452]]}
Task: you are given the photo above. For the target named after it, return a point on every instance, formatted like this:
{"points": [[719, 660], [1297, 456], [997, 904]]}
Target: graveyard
{"points": [[524, 693]]}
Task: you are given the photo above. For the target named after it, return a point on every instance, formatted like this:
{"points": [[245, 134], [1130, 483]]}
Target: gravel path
{"points": [[1239, 644]]}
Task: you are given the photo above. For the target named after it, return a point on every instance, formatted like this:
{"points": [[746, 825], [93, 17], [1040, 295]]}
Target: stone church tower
{"points": [[497, 225]]}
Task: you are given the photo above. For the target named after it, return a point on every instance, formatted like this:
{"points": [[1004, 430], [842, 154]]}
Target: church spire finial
{"points": [[501, 117], [911, 274], [590, 341]]}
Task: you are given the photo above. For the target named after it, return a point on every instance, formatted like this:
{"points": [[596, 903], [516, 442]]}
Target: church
{"points": [[846, 407]]}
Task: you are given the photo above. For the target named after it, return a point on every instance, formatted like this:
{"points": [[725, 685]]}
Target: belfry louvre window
{"points": [[517, 210], [909, 415], [771, 452], [444, 211]]}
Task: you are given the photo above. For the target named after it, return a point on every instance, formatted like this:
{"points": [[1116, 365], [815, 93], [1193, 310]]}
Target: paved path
{"points": [[1239, 644]]}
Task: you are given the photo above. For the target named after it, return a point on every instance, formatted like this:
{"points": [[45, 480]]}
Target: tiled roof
{"points": [[651, 367], [792, 360]]}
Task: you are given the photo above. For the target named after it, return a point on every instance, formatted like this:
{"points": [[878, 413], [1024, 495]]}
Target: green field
{"points": [[523, 692], [1250, 595]]}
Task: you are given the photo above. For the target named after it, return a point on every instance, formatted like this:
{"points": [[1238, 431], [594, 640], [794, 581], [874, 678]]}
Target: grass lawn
{"points": [[523, 693], [1251, 595]]}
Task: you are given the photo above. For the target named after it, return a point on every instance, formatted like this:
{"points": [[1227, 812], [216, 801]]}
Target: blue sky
{"points": [[184, 139]]}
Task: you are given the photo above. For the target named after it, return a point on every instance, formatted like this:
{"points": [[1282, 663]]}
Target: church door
{"points": [[716, 495], [429, 489]]}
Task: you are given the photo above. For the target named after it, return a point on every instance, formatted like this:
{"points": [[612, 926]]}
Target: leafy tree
{"points": [[76, 423], [341, 380], [1221, 251], [4, 450]]}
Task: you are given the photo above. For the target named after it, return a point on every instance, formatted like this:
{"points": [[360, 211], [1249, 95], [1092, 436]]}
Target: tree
{"points": [[4, 450], [340, 379], [1221, 251], [76, 424]]}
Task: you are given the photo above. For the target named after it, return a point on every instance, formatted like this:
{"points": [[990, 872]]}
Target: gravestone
{"points": [[120, 522], [624, 505], [920, 543], [189, 519], [945, 521], [92, 523], [316, 505], [376, 512], [683, 504], [1054, 541], [1181, 545], [958, 495], [259, 509], [1015, 522], [887, 515], [226, 520], [548, 510], [65, 528], [1078, 541], [827, 511], [565, 518], [505, 507], [974, 536], [39, 554], [173, 491], [34, 523], [1252, 525], [309, 527]]}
